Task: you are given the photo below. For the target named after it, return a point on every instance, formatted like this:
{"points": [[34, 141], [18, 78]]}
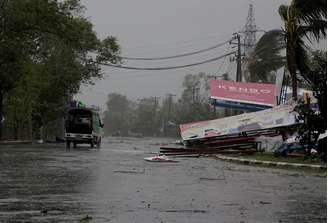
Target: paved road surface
{"points": [[47, 183]]}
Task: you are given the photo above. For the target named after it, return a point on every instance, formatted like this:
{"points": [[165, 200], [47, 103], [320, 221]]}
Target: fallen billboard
{"points": [[278, 116], [257, 96]]}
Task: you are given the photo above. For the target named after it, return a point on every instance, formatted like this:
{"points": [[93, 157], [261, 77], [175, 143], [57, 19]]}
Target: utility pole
{"points": [[195, 94], [239, 75], [169, 97], [195, 98], [155, 103], [216, 77], [238, 56]]}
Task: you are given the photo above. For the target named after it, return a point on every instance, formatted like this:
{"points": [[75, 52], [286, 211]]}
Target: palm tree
{"points": [[302, 19], [267, 56]]}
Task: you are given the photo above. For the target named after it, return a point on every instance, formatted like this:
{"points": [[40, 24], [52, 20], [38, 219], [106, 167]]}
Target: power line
{"points": [[164, 68], [222, 63], [176, 56], [175, 43]]}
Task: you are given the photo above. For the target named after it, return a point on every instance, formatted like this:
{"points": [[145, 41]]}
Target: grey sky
{"points": [[151, 28]]}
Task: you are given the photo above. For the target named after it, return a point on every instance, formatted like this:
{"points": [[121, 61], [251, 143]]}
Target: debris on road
{"points": [[233, 135], [160, 158]]}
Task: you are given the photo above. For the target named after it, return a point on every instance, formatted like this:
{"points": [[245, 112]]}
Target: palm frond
{"points": [[267, 55], [316, 30], [308, 10], [283, 12], [302, 57]]}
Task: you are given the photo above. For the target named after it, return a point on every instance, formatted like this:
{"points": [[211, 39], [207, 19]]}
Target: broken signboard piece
{"points": [[273, 118], [160, 158]]}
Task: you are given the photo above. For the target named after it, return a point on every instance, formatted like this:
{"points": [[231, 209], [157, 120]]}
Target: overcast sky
{"points": [[152, 28]]}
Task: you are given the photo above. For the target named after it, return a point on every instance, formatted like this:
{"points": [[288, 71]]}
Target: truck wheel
{"points": [[74, 144], [92, 144], [68, 144]]}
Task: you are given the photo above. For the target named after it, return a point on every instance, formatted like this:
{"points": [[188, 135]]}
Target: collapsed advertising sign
{"points": [[243, 95], [278, 116]]}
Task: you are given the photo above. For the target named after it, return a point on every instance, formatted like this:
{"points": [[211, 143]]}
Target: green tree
{"points": [[48, 43], [117, 115], [302, 19], [315, 123], [194, 102], [148, 120], [267, 56], [18, 117]]}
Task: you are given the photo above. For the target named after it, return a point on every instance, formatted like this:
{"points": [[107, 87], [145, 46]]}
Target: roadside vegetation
{"points": [[45, 49], [275, 158], [160, 117], [48, 48], [305, 23]]}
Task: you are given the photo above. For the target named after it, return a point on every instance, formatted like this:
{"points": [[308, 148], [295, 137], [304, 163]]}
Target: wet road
{"points": [[47, 183]]}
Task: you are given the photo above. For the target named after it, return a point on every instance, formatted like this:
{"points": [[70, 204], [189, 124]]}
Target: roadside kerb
{"points": [[15, 142], [269, 163]]}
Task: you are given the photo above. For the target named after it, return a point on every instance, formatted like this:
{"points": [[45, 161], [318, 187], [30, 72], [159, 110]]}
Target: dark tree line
{"points": [[45, 48], [153, 116]]}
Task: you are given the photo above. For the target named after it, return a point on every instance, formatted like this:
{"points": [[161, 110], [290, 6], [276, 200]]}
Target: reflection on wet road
{"points": [[47, 183]]}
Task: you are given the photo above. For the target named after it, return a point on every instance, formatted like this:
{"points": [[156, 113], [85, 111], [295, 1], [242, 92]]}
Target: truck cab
{"points": [[83, 126]]}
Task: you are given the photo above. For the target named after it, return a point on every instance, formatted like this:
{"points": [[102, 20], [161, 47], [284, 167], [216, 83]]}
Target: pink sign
{"points": [[253, 93]]}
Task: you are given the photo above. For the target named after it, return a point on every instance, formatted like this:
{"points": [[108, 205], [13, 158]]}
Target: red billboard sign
{"points": [[250, 93]]}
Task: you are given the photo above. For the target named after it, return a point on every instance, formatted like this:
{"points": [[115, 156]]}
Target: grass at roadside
{"points": [[271, 157]]}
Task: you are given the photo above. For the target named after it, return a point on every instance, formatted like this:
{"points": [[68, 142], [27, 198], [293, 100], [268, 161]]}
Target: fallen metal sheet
{"points": [[276, 117]]}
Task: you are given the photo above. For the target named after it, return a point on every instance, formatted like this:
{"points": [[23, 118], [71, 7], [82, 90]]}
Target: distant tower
{"points": [[249, 32]]}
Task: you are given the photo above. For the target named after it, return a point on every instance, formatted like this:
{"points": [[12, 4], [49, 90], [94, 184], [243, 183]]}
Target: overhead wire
{"points": [[176, 56], [163, 68], [164, 51], [134, 75], [175, 44], [221, 64]]}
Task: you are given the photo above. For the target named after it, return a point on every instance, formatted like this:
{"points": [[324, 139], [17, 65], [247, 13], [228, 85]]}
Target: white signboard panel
{"points": [[282, 115]]}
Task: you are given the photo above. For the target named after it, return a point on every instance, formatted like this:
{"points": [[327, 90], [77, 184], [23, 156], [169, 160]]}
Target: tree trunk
{"points": [[292, 67], [291, 33], [291, 58], [1, 113]]}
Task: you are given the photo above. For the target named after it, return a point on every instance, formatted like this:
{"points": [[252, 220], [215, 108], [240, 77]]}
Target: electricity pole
{"points": [[238, 56], [169, 97], [216, 77], [238, 74], [195, 98], [155, 103]]}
